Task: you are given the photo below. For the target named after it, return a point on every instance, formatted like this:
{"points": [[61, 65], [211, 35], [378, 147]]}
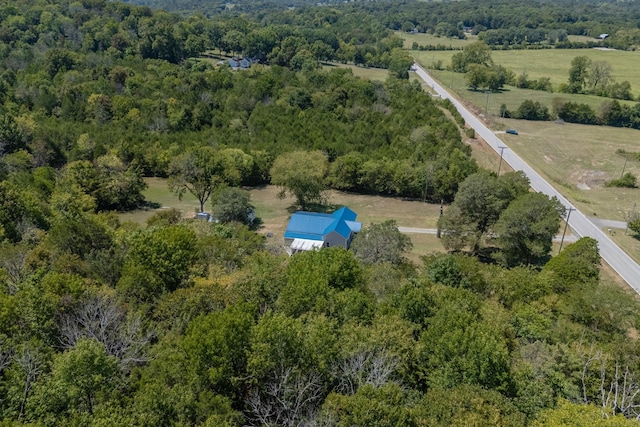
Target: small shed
{"points": [[312, 231]]}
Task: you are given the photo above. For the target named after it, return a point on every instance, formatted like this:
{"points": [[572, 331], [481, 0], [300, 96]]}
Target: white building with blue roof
{"points": [[311, 231]]}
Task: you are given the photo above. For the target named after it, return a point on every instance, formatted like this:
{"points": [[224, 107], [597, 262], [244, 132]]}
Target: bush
{"points": [[530, 110], [626, 181], [470, 132], [574, 112], [634, 225]]}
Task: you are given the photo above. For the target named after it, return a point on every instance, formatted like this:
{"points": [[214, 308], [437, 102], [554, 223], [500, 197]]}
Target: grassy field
{"points": [[274, 212], [552, 63], [370, 73], [576, 159], [429, 39], [511, 96]]}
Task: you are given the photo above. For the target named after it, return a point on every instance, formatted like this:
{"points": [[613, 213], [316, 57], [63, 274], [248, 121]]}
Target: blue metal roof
{"points": [[314, 226]]}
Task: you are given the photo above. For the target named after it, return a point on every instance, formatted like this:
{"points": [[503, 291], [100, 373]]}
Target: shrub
{"points": [[628, 180], [574, 112], [532, 110]]}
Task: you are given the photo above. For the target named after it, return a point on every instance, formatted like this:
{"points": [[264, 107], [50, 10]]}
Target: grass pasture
{"points": [[425, 39], [511, 96], [380, 74], [577, 160], [274, 212], [552, 63]]}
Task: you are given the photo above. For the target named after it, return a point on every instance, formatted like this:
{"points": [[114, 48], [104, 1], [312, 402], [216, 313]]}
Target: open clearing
{"points": [[370, 73], [511, 96], [552, 63], [425, 39], [275, 212], [576, 159]]}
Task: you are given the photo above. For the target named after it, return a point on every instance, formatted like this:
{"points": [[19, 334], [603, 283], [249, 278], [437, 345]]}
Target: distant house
{"points": [[310, 230], [603, 36], [240, 63]]}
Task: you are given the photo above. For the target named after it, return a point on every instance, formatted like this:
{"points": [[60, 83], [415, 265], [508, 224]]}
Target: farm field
{"points": [[552, 63], [576, 159], [511, 96]]}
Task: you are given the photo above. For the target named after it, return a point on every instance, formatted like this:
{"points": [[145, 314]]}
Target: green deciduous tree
{"points": [[380, 243], [233, 204], [474, 53], [198, 171], [370, 406], [314, 277], [399, 63], [81, 379], [459, 347], [216, 346], [11, 137], [579, 415], [577, 264], [451, 407], [302, 174], [527, 226], [578, 73], [477, 206], [158, 260]]}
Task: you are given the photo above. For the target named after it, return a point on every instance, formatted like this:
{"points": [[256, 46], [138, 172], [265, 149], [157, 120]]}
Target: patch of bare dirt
{"points": [[588, 179]]}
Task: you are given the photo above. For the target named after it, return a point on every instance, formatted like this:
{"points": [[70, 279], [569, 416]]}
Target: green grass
{"points": [[157, 193], [370, 73], [582, 39], [275, 212], [576, 159], [511, 96], [552, 63], [425, 39]]}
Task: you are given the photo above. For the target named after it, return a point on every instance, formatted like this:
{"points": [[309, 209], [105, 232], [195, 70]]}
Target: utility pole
{"points": [[566, 224], [427, 177], [451, 85], [438, 232], [623, 167], [631, 217], [501, 151], [486, 104]]}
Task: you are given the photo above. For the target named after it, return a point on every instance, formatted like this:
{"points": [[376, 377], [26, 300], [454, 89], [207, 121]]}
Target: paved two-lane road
{"points": [[609, 251]]}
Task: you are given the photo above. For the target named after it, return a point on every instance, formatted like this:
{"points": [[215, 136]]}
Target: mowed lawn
{"points": [[274, 212]]}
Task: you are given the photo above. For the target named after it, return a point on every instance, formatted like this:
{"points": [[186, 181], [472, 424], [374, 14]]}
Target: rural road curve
{"points": [[621, 263], [413, 230]]}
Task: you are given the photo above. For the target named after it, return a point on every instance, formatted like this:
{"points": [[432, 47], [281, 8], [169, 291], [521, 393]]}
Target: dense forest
{"points": [[185, 322], [499, 23]]}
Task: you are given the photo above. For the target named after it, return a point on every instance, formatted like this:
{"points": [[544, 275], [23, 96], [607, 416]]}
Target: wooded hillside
{"points": [[187, 322]]}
